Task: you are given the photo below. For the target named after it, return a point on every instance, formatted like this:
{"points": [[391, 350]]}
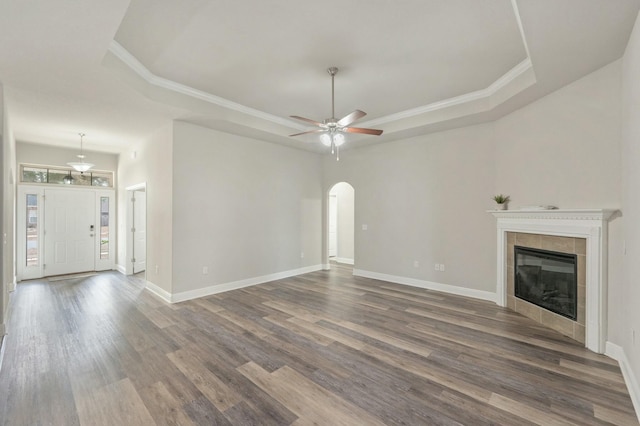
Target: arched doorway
{"points": [[341, 224]]}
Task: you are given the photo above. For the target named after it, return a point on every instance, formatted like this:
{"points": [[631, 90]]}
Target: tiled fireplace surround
{"points": [[580, 232], [577, 246]]}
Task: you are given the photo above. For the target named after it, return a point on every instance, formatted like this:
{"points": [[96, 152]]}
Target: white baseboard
{"points": [[617, 352], [121, 269], [220, 288], [160, 292], [343, 260], [14, 284], [326, 266], [429, 285]]}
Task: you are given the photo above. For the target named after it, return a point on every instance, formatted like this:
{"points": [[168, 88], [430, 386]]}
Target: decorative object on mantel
{"points": [[501, 200], [81, 166], [529, 208]]}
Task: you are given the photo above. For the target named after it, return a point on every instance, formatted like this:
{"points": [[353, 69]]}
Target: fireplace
{"points": [[583, 232], [547, 279]]}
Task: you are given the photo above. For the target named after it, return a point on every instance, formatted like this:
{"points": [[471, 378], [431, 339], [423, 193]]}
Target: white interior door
{"points": [[139, 231], [69, 231], [333, 225]]}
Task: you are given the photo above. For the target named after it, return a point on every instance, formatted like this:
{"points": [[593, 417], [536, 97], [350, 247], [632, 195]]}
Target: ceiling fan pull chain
{"points": [[332, 145], [337, 153]]}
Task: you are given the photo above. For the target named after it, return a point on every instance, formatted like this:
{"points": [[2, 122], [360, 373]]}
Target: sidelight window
{"points": [[32, 243], [104, 228]]}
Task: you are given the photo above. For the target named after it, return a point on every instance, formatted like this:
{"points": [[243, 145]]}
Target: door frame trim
{"points": [[128, 265]]}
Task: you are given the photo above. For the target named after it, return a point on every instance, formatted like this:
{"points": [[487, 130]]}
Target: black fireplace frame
{"points": [[552, 255]]}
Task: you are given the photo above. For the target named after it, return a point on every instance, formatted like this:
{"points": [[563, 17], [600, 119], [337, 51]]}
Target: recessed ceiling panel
{"points": [[272, 55]]}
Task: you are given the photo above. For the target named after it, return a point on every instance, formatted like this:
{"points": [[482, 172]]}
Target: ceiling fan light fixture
{"points": [[81, 166], [337, 139]]}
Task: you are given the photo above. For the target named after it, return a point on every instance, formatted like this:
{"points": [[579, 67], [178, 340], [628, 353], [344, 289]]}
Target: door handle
{"points": [[91, 235]]}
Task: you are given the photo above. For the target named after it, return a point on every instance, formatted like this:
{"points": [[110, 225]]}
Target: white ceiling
{"points": [[118, 70]]}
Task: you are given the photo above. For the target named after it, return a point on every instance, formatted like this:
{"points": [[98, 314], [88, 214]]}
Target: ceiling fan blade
{"points": [[310, 131], [348, 119], [361, 130], [308, 120]]}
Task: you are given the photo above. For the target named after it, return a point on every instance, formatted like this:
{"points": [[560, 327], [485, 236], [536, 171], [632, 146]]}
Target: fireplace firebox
{"points": [[547, 279]]}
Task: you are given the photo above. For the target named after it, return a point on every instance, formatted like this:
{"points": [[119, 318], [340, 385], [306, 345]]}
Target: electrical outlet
{"points": [[416, 264], [437, 267], [301, 255], [205, 270], [364, 227], [442, 266]]}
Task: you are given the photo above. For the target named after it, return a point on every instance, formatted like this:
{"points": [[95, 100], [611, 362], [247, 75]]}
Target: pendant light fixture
{"points": [[68, 179], [81, 166]]}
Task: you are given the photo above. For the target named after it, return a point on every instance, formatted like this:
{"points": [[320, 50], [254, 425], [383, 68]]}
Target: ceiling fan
{"points": [[332, 129]]}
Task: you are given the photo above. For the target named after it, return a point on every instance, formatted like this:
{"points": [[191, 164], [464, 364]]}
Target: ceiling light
{"points": [[336, 138], [81, 166], [68, 179], [333, 139], [332, 128]]}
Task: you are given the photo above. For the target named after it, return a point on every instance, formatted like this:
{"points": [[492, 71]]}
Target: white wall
{"points": [[243, 208], [424, 199], [48, 155], [629, 300], [563, 149], [8, 171], [4, 294], [9, 205], [152, 164], [345, 196]]}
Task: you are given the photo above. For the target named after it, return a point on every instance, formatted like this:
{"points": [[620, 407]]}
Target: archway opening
{"points": [[341, 225]]}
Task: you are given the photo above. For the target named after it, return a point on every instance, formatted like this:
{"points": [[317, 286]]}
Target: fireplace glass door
{"points": [[547, 279]]}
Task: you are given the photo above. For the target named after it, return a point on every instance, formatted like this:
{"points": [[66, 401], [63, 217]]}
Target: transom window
{"points": [[62, 176]]}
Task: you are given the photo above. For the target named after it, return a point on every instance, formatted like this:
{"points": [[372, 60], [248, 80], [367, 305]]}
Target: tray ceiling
{"points": [[415, 66]]}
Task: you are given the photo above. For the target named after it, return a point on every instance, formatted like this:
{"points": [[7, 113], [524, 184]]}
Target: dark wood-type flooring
{"points": [[322, 348]]}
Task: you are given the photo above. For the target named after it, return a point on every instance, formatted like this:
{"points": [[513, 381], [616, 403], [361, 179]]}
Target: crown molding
{"points": [[516, 12], [487, 92], [137, 67]]}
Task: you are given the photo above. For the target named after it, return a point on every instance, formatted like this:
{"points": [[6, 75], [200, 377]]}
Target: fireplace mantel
{"points": [[555, 214], [591, 224]]}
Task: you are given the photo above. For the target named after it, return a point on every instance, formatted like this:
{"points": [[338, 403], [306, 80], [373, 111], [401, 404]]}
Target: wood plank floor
{"points": [[324, 348]]}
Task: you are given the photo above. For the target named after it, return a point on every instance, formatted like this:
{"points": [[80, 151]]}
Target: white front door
{"points": [[69, 231], [139, 231]]}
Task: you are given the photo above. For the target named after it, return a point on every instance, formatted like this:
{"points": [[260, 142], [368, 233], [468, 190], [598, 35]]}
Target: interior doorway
{"points": [[341, 224], [136, 262]]}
